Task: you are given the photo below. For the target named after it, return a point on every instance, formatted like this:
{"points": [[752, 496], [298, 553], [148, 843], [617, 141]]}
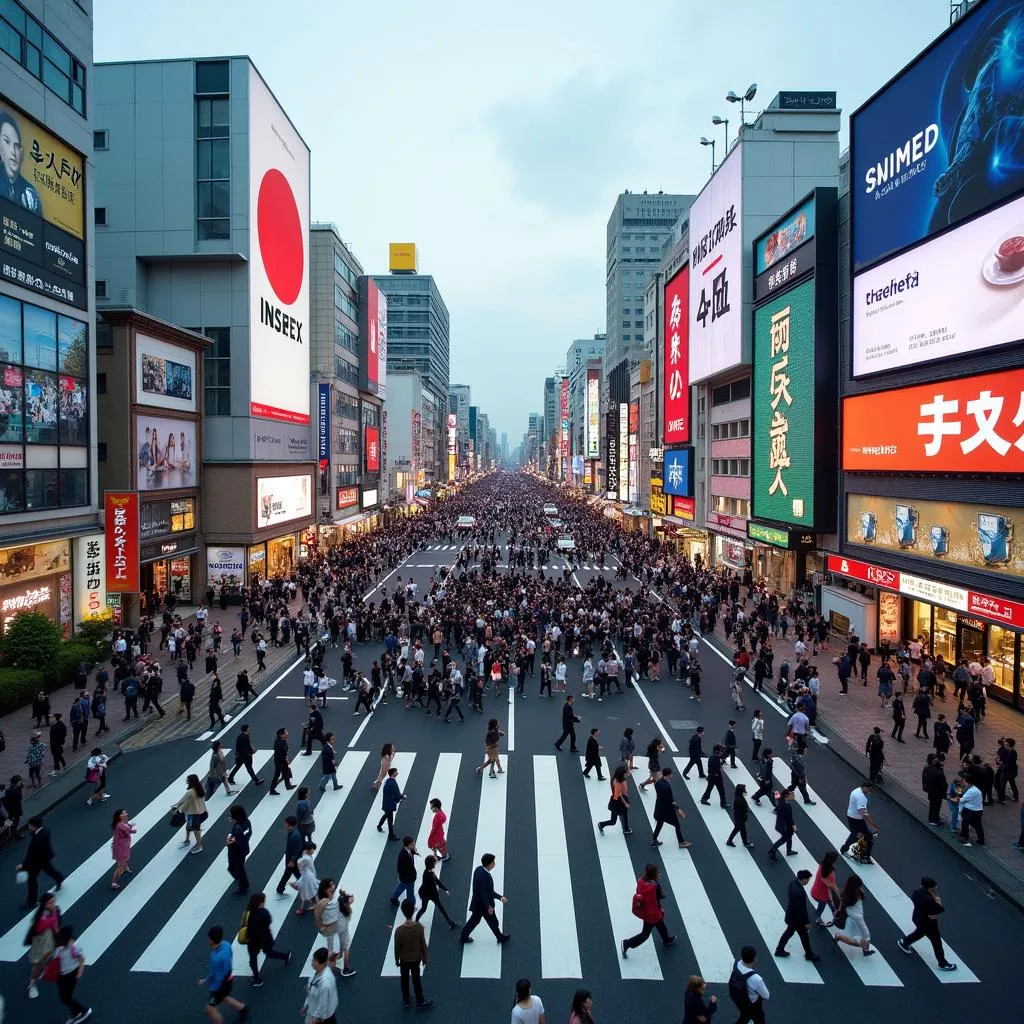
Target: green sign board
{"points": [[768, 534], [783, 398]]}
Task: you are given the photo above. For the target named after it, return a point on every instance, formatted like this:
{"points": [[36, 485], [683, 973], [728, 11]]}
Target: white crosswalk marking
{"points": [[482, 958], [619, 885], [184, 924], [86, 875], [446, 776], [126, 906], [891, 898], [326, 813], [363, 864], [559, 938]]}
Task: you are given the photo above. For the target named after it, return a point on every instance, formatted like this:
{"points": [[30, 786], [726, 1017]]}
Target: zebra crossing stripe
{"points": [[326, 813], [619, 884], [181, 928], [559, 939], [87, 874], [482, 959], [889, 896], [446, 776]]}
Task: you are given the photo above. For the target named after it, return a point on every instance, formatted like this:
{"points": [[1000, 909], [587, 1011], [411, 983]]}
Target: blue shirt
{"points": [[220, 966]]}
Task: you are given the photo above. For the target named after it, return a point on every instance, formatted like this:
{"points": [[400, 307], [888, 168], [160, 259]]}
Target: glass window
{"points": [[74, 411], [921, 623], [945, 635], [217, 372], [11, 404], [74, 487], [12, 491], [56, 54], [56, 81], [40, 407], [10, 330], [1000, 655], [212, 76], [72, 346], [10, 41], [42, 488], [40, 337]]}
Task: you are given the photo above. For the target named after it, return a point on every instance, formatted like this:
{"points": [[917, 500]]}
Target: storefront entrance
{"points": [[169, 576]]}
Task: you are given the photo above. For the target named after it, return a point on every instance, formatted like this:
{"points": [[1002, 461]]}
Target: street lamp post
{"points": [[711, 143], [731, 97], [716, 121]]}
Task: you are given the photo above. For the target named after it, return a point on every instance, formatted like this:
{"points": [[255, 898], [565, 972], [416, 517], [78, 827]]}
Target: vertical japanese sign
{"points": [[676, 375], [371, 446], [564, 410], [121, 522], [634, 457], [453, 426], [783, 397], [611, 465], [90, 581], [623, 452], [323, 424], [593, 440]]}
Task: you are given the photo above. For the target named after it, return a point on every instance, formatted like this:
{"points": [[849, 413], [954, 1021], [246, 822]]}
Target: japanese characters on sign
{"points": [[121, 522], [778, 391], [623, 452], [593, 423], [90, 585], [968, 425], [371, 447], [611, 436], [678, 472]]}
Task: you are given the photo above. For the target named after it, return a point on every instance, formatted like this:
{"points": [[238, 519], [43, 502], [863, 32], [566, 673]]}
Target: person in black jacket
{"points": [[715, 777], [238, 847], [259, 937], [740, 814], [765, 782], [875, 751], [784, 826], [292, 852], [798, 921], [216, 699], [667, 811], [592, 757], [481, 904], [329, 764], [923, 710], [281, 768], [58, 737], [407, 872], [569, 720], [314, 728], [244, 751], [38, 858], [934, 783], [429, 884], [696, 752], [927, 908], [899, 718]]}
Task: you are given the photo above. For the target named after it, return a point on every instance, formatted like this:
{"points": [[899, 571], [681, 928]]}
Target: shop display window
{"points": [[945, 635], [921, 623], [1000, 653]]}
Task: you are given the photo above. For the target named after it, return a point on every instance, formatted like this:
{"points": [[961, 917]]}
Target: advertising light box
{"points": [[165, 375], [282, 498], [678, 472], [940, 143], [716, 272], [623, 452], [593, 415], [962, 292], [677, 359]]}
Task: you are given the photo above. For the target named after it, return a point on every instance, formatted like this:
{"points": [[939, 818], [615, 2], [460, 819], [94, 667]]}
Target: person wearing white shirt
{"points": [[970, 814], [799, 649], [757, 990], [859, 819], [321, 991], [309, 683]]}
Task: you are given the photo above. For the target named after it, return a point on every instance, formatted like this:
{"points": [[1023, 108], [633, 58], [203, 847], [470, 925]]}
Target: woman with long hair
{"points": [[582, 1005], [259, 936], [193, 806], [40, 939], [618, 803], [331, 914], [121, 844], [387, 755], [492, 756], [824, 890], [527, 1008], [654, 751], [238, 847], [854, 930]]}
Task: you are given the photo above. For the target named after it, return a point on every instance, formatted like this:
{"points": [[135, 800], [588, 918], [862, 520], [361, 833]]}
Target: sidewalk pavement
{"points": [[848, 721]]}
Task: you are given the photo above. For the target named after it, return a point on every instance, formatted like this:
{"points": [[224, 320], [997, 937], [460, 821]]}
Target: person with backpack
{"points": [[77, 725], [747, 988], [647, 906]]}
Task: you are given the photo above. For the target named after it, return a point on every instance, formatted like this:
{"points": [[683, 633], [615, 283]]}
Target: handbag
{"points": [[51, 972], [839, 918], [92, 775], [177, 818], [243, 929]]}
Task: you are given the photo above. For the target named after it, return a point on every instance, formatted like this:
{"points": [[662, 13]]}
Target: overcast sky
{"points": [[497, 136]]}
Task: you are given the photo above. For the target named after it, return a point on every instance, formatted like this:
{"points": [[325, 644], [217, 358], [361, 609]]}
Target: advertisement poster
{"points": [[346, 497], [373, 337], [593, 440], [278, 262], [90, 578], [121, 527], [678, 472], [969, 425], [623, 452], [716, 272], [888, 617], [323, 436], [167, 457], [611, 436], [782, 389], [974, 536], [280, 499], [785, 239], [225, 567], [962, 292], [165, 375], [42, 210], [371, 448], [942, 141], [677, 360]]}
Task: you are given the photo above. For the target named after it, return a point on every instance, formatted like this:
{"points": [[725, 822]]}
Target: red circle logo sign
{"points": [[280, 235]]}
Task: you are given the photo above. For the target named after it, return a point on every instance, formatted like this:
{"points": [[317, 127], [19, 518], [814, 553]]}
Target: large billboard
{"points": [[623, 452], [593, 421], [716, 272], [373, 337], [611, 462], [972, 536], [941, 142], [371, 449], [279, 328], [782, 387], [677, 360], [165, 375], [42, 210], [121, 526], [678, 472], [968, 425], [282, 498], [958, 293], [166, 453]]}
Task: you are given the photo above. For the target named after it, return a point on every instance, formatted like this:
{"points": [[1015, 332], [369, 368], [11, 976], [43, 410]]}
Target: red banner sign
{"points": [[677, 365], [121, 516], [371, 446], [346, 497]]}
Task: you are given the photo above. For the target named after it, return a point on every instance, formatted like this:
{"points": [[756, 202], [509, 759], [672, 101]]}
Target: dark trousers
{"points": [[79, 734], [739, 830], [802, 934], [935, 807], [593, 764], [215, 714], [236, 869], [491, 920], [922, 724], [930, 932], [436, 900], [267, 949], [32, 886], [645, 933], [874, 769], [694, 761], [456, 706], [66, 990], [389, 817], [411, 970], [714, 784], [858, 827], [898, 726], [755, 1015], [756, 756], [675, 824], [787, 838], [800, 784], [969, 819], [290, 871], [245, 763], [567, 733], [281, 772], [131, 707], [318, 736], [1002, 781], [58, 758], [618, 811], [764, 788]]}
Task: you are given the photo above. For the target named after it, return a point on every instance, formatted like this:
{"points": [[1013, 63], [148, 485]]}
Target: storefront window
{"points": [[281, 556], [173, 576], [1000, 653], [921, 623], [945, 635]]}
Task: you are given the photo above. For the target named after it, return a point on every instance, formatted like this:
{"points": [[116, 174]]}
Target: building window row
{"points": [[344, 303], [371, 415], [346, 407], [345, 338], [342, 269], [731, 506], [730, 467], [733, 392], [733, 428], [217, 371], [347, 477], [348, 440], [24, 39], [213, 167], [345, 371]]}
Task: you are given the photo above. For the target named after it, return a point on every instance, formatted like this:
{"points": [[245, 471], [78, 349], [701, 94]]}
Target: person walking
{"points": [[71, 967], [193, 806], [482, 902], [695, 1010], [218, 773], [58, 737], [35, 753], [428, 892], [582, 1005], [412, 951], [38, 859], [923, 710], [859, 820], [238, 847], [282, 769], [874, 750], [765, 781], [260, 936], [332, 913], [592, 755], [292, 852], [798, 921], [391, 799], [1006, 769], [308, 884], [667, 811], [747, 988], [436, 841], [740, 814], [314, 728], [321, 991], [824, 890], [216, 699], [627, 749], [715, 778], [569, 720], [798, 776], [121, 845], [491, 756], [695, 750], [899, 719], [851, 928], [647, 902], [387, 756], [406, 867], [96, 774], [218, 980], [784, 826], [329, 764], [928, 909], [618, 803], [41, 939], [654, 751], [527, 1008], [729, 743], [971, 810], [304, 814], [244, 751], [757, 734]]}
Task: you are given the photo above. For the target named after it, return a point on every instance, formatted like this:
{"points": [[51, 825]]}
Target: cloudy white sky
{"points": [[497, 136]]}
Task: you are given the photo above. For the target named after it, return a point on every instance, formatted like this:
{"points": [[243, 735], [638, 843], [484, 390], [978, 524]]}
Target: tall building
{"points": [[51, 550], [460, 399], [202, 213], [411, 442], [551, 426], [582, 360]]}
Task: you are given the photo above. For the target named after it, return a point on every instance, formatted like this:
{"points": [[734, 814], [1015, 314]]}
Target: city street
{"points": [[569, 889]]}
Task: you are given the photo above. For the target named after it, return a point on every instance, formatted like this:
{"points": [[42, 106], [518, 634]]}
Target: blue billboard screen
{"points": [[678, 472]]}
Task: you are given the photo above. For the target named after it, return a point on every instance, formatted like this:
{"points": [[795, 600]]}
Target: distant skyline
{"points": [[499, 140]]}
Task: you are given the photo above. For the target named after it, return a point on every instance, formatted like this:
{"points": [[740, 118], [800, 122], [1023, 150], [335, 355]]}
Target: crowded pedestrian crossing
{"points": [[576, 865]]}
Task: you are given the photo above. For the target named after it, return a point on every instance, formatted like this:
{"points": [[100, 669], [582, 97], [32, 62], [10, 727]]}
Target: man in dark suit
{"points": [[481, 906], [38, 858], [784, 825], [715, 777], [406, 867], [281, 767], [696, 752], [569, 720], [244, 751], [667, 811], [592, 757], [798, 921], [314, 729]]}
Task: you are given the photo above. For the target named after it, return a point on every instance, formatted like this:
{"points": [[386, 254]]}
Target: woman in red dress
{"points": [[436, 841]]}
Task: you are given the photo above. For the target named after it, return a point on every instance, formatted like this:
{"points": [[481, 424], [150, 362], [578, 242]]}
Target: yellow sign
{"points": [[402, 256]]}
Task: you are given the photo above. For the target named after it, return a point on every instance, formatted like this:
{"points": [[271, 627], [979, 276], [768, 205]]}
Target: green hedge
{"points": [[18, 686]]}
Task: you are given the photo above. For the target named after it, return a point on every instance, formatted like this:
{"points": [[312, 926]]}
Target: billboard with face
{"points": [[166, 453]]}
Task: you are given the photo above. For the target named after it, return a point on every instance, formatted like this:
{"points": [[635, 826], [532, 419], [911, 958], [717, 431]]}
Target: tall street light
{"points": [[731, 97], [716, 121], [711, 143]]}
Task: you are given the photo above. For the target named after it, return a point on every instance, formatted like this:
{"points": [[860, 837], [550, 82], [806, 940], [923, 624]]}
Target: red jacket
{"points": [[649, 894]]}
